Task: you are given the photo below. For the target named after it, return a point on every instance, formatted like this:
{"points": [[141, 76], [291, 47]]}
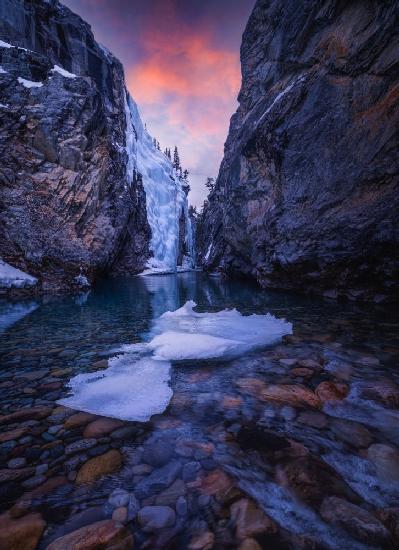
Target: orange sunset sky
{"points": [[182, 66]]}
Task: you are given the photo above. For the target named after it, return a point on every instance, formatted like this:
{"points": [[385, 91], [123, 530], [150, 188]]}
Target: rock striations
{"points": [[72, 199], [308, 191]]}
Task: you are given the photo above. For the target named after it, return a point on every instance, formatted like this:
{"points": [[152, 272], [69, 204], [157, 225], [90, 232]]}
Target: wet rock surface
{"points": [[307, 194]]}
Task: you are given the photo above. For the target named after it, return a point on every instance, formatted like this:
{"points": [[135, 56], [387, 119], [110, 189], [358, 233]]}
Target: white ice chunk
{"points": [[2, 71], [4, 106], [13, 277], [130, 389], [29, 83], [175, 346], [5, 44], [63, 72], [186, 334]]}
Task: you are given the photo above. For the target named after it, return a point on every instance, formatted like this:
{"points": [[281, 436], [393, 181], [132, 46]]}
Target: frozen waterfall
{"points": [[166, 199]]}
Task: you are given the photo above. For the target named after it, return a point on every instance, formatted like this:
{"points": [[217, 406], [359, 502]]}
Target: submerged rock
{"points": [[99, 466], [358, 522], [21, 533], [250, 521], [102, 534]]}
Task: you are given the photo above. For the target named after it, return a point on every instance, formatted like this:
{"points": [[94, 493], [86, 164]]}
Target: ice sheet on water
{"points": [[136, 384], [131, 388], [186, 334]]}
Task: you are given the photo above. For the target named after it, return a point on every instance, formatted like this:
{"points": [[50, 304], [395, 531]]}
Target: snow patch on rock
{"points": [[11, 277]]}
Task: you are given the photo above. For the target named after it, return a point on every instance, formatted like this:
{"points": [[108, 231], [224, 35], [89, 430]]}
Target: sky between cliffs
{"points": [[182, 66]]}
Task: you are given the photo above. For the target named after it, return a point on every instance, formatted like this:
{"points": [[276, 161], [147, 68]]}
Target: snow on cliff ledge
{"points": [[11, 277]]}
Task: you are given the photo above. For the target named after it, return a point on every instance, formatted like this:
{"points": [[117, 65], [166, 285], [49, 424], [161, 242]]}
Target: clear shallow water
{"points": [[226, 435]]}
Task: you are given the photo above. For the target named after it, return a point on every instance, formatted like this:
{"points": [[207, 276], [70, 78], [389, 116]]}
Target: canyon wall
{"points": [[308, 191], [73, 197]]}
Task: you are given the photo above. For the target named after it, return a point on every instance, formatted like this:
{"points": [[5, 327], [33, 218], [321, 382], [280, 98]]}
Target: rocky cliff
{"points": [[77, 164], [66, 205], [308, 191]]}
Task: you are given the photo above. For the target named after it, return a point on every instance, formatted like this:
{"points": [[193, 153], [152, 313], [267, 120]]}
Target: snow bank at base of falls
{"points": [[166, 199], [136, 384], [11, 277]]}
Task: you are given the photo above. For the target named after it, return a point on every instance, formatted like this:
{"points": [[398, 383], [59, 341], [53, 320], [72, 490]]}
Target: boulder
{"points": [[96, 467], [360, 523], [21, 533], [386, 460], [152, 518], [331, 391], [102, 535], [102, 427]]}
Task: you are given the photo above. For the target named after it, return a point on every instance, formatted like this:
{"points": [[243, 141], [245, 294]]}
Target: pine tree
{"points": [[186, 174], [176, 159], [154, 142], [210, 184], [158, 146]]}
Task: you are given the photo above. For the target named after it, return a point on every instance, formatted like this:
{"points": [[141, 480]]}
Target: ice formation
{"points": [[186, 334], [136, 384], [166, 199], [131, 388], [13, 277]]}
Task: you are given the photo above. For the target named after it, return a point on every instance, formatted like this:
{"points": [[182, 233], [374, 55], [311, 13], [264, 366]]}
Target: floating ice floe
{"points": [[29, 83], [186, 335], [136, 384], [11, 277], [131, 388], [2, 71]]}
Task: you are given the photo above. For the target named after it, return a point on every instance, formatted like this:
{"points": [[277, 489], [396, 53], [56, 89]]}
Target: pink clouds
{"points": [[181, 60]]}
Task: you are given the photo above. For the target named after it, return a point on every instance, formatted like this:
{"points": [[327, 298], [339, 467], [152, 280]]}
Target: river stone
{"points": [[78, 419], [358, 522], [99, 466], [352, 433], [331, 391], [158, 480], [102, 427], [119, 497], [120, 514], [21, 533], [158, 453], [107, 534], [203, 541], [250, 521], [152, 518], [35, 413], [81, 445], [386, 460], [190, 470], [16, 463], [249, 544], [312, 479], [169, 496]]}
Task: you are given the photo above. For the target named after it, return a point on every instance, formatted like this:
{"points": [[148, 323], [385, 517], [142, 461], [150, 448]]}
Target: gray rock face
{"points": [[65, 200], [308, 191]]}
